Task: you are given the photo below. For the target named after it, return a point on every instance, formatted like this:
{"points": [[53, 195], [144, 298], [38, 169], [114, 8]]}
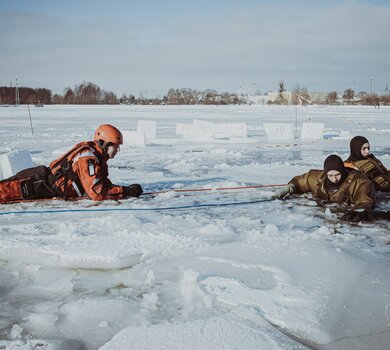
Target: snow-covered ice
{"points": [[279, 131], [201, 130], [148, 128], [133, 138], [312, 131], [270, 275]]}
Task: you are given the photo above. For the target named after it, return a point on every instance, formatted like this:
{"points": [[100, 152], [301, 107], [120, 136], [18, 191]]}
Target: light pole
{"points": [[17, 101], [371, 86]]}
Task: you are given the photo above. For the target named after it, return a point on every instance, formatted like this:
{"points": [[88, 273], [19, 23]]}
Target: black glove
{"points": [[134, 190], [358, 215]]}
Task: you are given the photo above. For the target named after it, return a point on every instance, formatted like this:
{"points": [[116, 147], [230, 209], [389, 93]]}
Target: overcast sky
{"points": [[129, 46]]}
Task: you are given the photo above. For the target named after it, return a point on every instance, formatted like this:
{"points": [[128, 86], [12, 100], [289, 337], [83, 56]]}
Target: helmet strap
{"points": [[102, 144]]}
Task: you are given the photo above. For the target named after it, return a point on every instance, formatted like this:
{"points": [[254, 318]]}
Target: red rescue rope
{"points": [[215, 189], [152, 193]]}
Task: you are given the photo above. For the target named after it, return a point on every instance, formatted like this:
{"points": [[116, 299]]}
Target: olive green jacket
{"points": [[356, 190], [373, 168]]}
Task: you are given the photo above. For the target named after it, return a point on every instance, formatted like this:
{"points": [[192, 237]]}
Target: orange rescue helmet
{"points": [[106, 135]]}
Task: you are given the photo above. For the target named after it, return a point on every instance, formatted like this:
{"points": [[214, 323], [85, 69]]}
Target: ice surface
{"points": [[16, 332], [14, 161], [275, 275], [279, 131], [148, 128], [39, 344], [82, 252], [133, 138], [312, 131], [205, 130], [213, 334], [185, 130], [231, 130]]}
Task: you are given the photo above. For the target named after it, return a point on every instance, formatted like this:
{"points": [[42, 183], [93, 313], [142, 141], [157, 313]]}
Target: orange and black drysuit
{"points": [[83, 171]]}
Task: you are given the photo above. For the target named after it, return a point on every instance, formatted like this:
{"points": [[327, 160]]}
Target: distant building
{"points": [[318, 97], [256, 99], [314, 97], [275, 95]]}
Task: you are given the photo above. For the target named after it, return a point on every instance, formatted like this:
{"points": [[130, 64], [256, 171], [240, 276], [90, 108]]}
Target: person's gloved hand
{"points": [[134, 190], [285, 192], [357, 215]]}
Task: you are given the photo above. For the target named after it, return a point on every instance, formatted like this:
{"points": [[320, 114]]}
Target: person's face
{"points": [[334, 176], [365, 150], [112, 150]]}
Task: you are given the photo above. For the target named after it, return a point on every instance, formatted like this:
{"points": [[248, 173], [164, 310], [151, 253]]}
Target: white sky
{"points": [[129, 47]]}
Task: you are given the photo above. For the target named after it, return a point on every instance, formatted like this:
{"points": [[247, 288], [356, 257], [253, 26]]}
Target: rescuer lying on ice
{"points": [[83, 171], [362, 159], [338, 184]]}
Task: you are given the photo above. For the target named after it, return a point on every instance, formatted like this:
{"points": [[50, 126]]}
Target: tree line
{"points": [[90, 93], [25, 95], [301, 96]]}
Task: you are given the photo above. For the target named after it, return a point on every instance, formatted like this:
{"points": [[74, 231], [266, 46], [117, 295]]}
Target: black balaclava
{"points": [[356, 148], [334, 162]]}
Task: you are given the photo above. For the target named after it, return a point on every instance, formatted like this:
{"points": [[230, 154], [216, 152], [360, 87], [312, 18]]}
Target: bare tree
{"points": [[331, 97], [349, 95], [69, 97], [300, 96], [281, 99]]}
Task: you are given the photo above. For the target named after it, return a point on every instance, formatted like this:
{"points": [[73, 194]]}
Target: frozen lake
{"points": [[268, 275]]}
